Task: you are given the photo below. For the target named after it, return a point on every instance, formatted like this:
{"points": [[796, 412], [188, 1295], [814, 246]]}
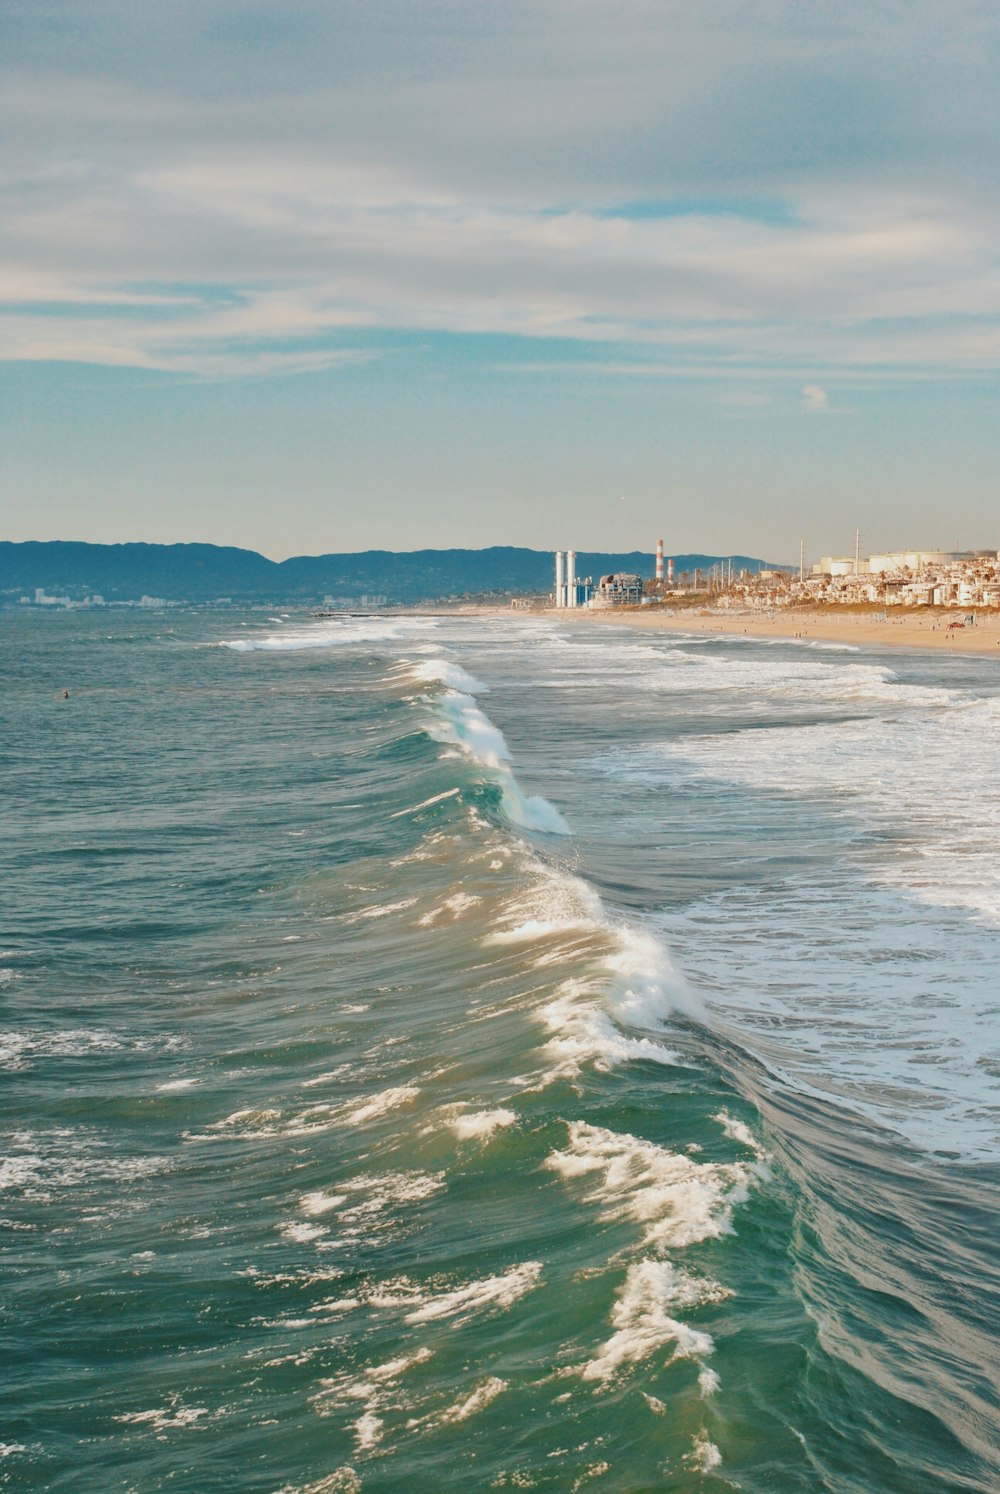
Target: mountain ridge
{"points": [[201, 572]]}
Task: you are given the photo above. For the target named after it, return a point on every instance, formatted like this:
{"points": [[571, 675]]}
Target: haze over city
{"points": [[312, 278]]}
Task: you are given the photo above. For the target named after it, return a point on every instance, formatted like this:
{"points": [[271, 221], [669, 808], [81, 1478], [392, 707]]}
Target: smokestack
{"points": [[670, 571], [560, 579], [570, 578], [659, 560]]}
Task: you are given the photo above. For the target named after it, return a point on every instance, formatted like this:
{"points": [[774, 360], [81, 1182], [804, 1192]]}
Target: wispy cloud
{"points": [[363, 177]]}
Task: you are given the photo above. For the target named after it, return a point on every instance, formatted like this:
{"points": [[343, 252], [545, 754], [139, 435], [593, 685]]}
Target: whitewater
{"points": [[496, 1053]]}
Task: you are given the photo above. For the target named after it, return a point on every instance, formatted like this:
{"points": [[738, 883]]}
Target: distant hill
{"points": [[205, 573]]}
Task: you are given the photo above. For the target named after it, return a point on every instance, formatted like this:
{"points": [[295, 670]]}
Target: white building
{"points": [[913, 560]]}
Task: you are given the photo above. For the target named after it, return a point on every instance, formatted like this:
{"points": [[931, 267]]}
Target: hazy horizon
{"points": [[384, 549]]}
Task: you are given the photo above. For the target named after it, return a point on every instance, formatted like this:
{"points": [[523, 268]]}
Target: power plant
{"points": [[619, 589], [569, 591]]}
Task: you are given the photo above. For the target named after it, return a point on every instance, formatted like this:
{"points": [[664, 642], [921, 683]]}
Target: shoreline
{"points": [[927, 631], [924, 631]]}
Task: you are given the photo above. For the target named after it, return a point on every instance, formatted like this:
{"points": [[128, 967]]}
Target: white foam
{"points": [[319, 1203], [928, 772], [368, 1429], [393, 1368], [332, 633], [341, 1481], [481, 1397], [331, 1074], [672, 1198], [250, 1122], [454, 906], [638, 980], [866, 965], [337, 1305], [446, 672], [634, 984], [301, 1234], [642, 1323], [737, 1130], [362, 1111], [704, 1455], [552, 901], [399, 1292], [371, 1204], [256, 1122], [69, 1161], [373, 1388], [395, 1187], [465, 725], [166, 1418], [648, 985], [379, 910], [21, 1047], [583, 1033], [536, 928], [480, 1125], [489, 1294]]}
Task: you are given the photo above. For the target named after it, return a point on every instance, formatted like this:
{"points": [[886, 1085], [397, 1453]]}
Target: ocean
{"points": [[469, 1053]]}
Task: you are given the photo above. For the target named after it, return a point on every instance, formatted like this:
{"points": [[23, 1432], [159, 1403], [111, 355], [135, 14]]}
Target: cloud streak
{"points": [[776, 193]]}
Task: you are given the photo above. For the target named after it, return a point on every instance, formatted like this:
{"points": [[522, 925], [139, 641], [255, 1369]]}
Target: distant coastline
{"points": [[65, 573]]}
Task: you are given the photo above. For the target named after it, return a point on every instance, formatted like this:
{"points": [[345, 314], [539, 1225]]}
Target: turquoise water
{"points": [[496, 1054]]}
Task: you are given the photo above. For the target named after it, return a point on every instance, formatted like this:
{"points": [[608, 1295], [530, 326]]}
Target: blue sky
{"points": [[311, 277]]}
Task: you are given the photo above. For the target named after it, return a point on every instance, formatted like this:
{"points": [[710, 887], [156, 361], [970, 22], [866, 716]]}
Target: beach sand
{"points": [[921, 630]]}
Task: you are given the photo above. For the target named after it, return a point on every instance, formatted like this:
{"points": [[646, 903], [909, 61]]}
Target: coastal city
{"points": [[901, 581], [900, 578]]}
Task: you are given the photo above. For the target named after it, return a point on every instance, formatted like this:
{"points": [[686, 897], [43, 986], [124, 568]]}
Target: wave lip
{"points": [[446, 672], [463, 724], [623, 976]]}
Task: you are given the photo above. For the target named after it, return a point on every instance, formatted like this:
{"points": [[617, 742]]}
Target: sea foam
{"points": [[616, 1011], [643, 1325], [674, 1200]]}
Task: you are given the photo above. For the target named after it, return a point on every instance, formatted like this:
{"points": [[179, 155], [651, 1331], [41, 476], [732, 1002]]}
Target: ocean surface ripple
{"points": [[496, 1053]]}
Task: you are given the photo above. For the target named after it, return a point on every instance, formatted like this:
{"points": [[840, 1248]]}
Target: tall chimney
{"points": [[560, 579], [570, 578], [659, 560], [670, 571]]}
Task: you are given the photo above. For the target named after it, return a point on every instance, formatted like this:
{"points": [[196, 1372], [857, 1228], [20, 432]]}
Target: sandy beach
{"points": [[920, 630]]}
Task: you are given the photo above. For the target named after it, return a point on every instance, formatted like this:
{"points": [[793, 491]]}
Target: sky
{"points": [[327, 275]]}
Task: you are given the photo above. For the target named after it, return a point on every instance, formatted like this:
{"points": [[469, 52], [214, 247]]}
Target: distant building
{"points": [[569, 592], [619, 589], [840, 565], [914, 560]]}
